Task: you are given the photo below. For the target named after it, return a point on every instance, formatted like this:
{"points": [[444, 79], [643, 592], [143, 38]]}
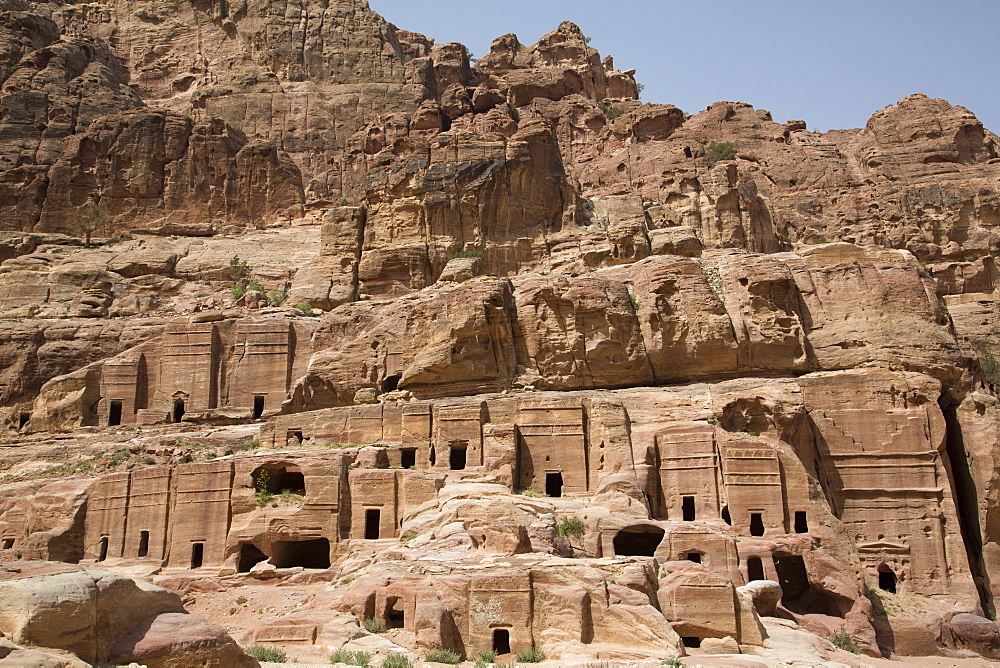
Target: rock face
{"points": [[490, 351]]}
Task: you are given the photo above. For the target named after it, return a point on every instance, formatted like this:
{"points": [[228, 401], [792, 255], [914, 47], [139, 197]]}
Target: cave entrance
{"points": [[372, 521], [501, 641], [792, 577], [755, 569], [553, 484], [305, 553], [197, 554], [886, 579], [691, 641], [756, 524], [687, 508], [639, 541], [395, 616], [115, 413], [103, 551], [7, 544], [801, 525], [276, 478], [391, 382], [23, 420], [143, 544], [457, 457], [408, 458], [258, 406], [725, 516], [694, 556], [178, 410], [250, 556]]}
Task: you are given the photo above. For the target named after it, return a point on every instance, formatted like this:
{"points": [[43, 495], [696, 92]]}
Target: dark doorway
{"points": [[432, 456], [7, 544], [755, 569], [638, 541], [457, 458], [305, 553], [197, 554], [391, 382], [294, 437], [258, 406], [691, 641], [395, 617], [143, 544], [408, 458], [23, 420], [687, 151], [553, 484], [694, 556], [250, 556], [687, 508], [756, 524], [792, 577], [115, 413], [103, 552], [293, 481], [501, 641], [178, 410], [801, 525], [725, 516], [886, 579], [372, 520]]}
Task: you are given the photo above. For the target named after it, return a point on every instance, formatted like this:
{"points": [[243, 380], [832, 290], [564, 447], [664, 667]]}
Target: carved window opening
{"points": [[694, 556], [501, 641], [886, 579], [640, 541], [691, 641], [391, 382], [23, 420], [103, 551], [457, 457], [687, 508], [258, 406], [755, 569], [304, 553], [687, 151], [143, 544], [801, 525], [372, 520], [408, 458], [553, 484], [115, 413], [178, 410], [756, 524], [395, 617], [275, 479], [197, 554], [725, 516], [250, 556], [7, 544]]}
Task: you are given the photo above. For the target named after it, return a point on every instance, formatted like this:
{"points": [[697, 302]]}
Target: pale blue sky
{"points": [[832, 63]]}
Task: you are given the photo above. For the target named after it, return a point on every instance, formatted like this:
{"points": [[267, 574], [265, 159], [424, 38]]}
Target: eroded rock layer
{"points": [[478, 356]]}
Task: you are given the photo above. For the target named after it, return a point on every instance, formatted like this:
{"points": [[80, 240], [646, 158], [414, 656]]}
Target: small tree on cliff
{"points": [[94, 218]]}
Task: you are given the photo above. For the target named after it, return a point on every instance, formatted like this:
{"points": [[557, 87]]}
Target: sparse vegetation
{"points": [[237, 291], [232, 611], [472, 253], [95, 217], [677, 663], [269, 654], [260, 482], [373, 625], [276, 297], [841, 639], [639, 87], [358, 658], [344, 581], [513, 111], [305, 308], [718, 151], [635, 301], [533, 655], [570, 526], [442, 656], [486, 656], [989, 364], [610, 112], [242, 600], [239, 270], [396, 660], [714, 278], [531, 491]]}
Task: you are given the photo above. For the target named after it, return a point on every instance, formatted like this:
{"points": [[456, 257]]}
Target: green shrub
{"points": [[305, 308], [472, 253], [232, 611], [486, 656], [513, 111], [677, 663], [842, 640], [570, 526], [396, 660], [719, 150], [242, 600], [265, 653], [533, 655], [239, 270], [255, 286], [276, 297], [442, 656], [531, 491], [373, 625], [610, 112], [989, 364], [351, 658], [237, 291]]}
